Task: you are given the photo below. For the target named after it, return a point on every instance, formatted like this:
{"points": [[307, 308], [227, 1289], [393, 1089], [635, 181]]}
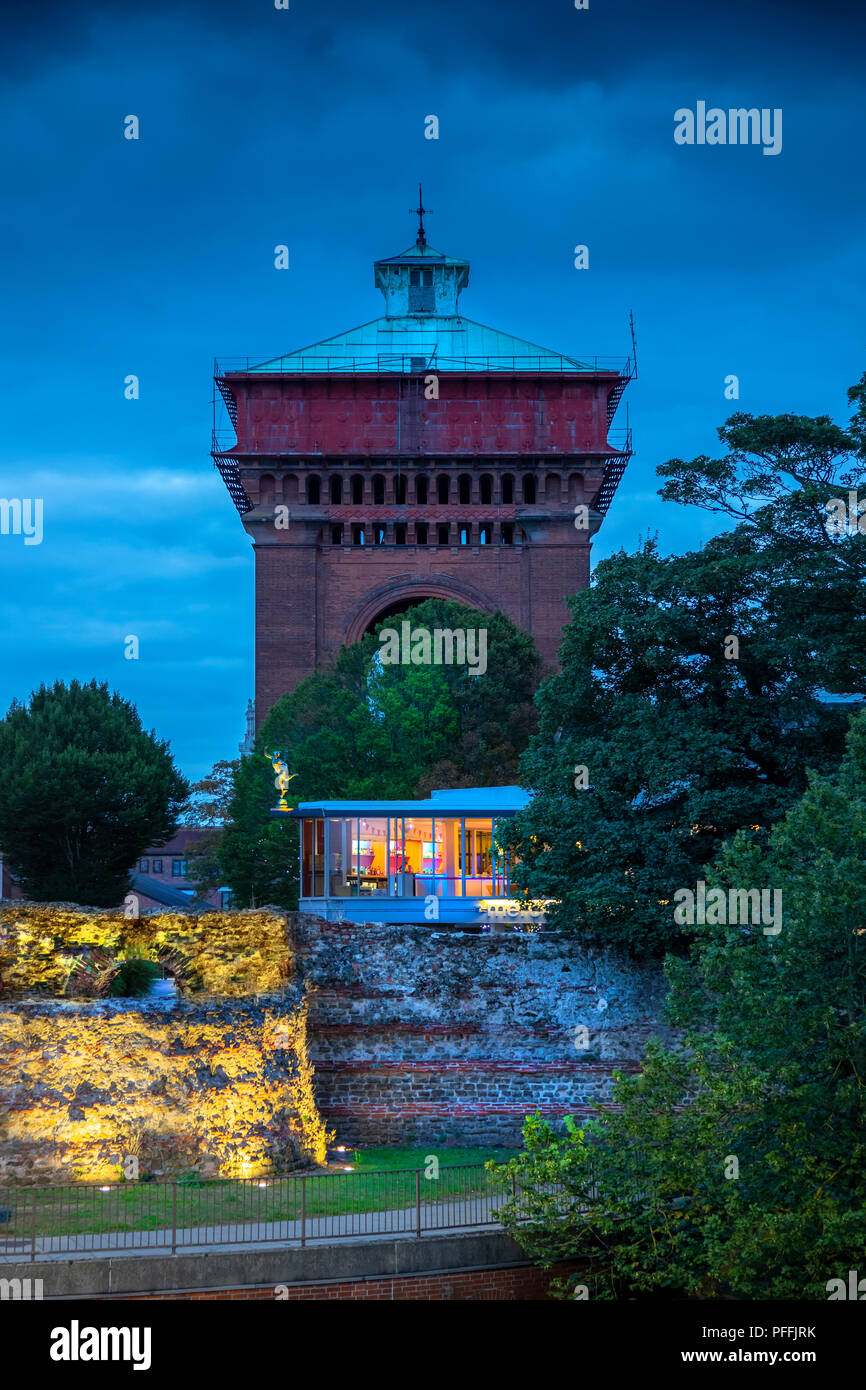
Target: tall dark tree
{"points": [[83, 791], [732, 1166], [694, 690]]}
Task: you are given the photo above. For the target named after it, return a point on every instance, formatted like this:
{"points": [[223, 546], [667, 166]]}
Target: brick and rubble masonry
{"points": [[221, 1086], [420, 1034]]}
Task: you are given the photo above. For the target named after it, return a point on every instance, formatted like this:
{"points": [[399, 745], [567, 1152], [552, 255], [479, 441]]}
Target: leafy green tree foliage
{"points": [[734, 1167], [83, 792], [363, 729], [693, 689]]}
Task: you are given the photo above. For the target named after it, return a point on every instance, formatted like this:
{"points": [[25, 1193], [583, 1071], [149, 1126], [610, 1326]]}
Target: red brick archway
{"points": [[399, 594]]}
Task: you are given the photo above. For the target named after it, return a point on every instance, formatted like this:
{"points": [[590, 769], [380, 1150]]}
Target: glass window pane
{"points": [[370, 849], [397, 881], [306, 858], [340, 835], [479, 857], [318, 858], [433, 857]]}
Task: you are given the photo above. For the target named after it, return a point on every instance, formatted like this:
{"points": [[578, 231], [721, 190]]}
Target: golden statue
{"points": [[282, 779]]}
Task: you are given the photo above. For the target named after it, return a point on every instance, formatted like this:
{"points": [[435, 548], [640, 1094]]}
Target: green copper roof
{"points": [[406, 343]]}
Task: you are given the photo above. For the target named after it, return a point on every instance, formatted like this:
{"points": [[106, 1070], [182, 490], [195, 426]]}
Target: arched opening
{"points": [[394, 598], [464, 489], [400, 490], [551, 487], [378, 490], [443, 488], [336, 490], [421, 532], [442, 531], [290, 488], [357, 490], [314, 490], [400, 533], [508, 489], [421, 490], [486, 490], [485, 535], [528, 488], [267, 489]]}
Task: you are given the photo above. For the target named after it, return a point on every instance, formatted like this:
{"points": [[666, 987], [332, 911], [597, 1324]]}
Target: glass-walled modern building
{"points": [[386, 860]]}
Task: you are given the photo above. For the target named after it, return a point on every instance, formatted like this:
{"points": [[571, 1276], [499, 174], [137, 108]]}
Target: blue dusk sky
{"points": [[305, 126]]}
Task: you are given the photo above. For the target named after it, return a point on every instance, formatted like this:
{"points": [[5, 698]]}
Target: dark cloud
{"points": [[548, 42]]}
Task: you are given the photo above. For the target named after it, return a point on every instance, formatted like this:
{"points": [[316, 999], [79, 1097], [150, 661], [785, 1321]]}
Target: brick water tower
{"points": [[419, 455]]}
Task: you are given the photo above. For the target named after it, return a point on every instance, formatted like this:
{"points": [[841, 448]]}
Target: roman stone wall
{"points": [[445, 1037]]}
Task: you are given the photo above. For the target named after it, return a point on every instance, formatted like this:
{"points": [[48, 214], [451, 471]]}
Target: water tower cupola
{"points": [[421, 281]]}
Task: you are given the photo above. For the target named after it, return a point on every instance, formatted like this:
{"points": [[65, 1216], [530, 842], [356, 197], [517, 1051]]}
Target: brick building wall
{"points": [[523, 1283], [513, 458]]}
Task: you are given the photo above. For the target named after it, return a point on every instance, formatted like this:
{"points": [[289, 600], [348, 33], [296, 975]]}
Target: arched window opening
{"points": [[486, 490], [378, 490], [421, 532], [442, 532], [357, 535], [529, 488], [400, 490], [464, 489], [508, 489], [314, 490], [443, 488], [421, 491], [336, 490], [357, 491]]}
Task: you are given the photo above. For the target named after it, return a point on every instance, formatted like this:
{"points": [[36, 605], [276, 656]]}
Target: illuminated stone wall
{"points": [[220, 1086], [225, 953], [214, 1079]]}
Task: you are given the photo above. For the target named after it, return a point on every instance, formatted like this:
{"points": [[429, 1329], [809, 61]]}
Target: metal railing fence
{"points": [[196, 1214]]}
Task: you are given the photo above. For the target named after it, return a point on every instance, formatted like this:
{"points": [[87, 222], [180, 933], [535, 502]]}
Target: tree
{"points": [[361, 729], [83, 792], [209, 799], [208, 810], [734, 1166], [693, 691]]}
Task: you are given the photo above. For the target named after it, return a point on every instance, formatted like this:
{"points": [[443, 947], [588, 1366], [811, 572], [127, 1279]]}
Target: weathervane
{"points": [[420, 211]]}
